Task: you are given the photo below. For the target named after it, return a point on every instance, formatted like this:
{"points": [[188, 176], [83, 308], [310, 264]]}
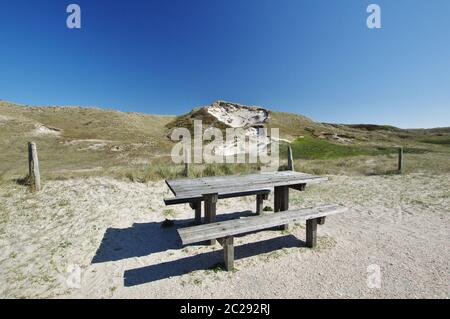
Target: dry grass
{"points": [[95, 142], [430, 163], [92, 141]]}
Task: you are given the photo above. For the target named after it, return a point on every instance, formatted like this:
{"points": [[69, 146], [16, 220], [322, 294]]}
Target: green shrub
{"points": [[315, 148]]}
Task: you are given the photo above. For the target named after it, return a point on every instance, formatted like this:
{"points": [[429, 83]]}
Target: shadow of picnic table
{"points": [[204, 261], [143, 239]]}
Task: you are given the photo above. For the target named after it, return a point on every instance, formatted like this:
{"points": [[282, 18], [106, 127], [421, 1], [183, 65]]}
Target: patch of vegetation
{"points": [[63, 203], [283, 167], [374, 127], [187, 120], [377, 165], [217, 170], [217, 267], [315, 148], [298, 225], [438, 140], [24, 181], [197, 281], [268, 209], [65, 244], [324, 243], [169, 213], [3, 179]]}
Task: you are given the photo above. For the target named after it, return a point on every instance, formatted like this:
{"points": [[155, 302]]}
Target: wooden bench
{"points": [[225, 231]]}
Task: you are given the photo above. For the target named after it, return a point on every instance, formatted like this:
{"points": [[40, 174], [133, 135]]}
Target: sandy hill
{"points": [[75, 140]]}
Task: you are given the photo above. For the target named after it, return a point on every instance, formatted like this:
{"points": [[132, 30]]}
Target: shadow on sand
{"points": [[186, 265], [148, 238]]}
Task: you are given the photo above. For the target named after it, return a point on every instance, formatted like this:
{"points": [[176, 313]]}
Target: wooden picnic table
{"points": [[209, 189]]}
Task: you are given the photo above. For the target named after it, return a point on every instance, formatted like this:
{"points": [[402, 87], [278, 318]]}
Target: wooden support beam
{"points": [[400, 160], [228, 253], [190, 199], [311, 233], [33, 167], [290, 164], [210, 210], [321, 220], [197, 207], [281, 201], [259, 203], [299, 187]]}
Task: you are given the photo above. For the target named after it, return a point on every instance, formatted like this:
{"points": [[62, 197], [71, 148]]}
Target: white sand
{"points": [[4, 118], [41, 129], [400, 223], [250, 119], [236, 115]]}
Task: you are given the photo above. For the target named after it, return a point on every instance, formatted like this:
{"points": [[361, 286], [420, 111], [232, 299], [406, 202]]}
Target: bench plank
{"points": [[244, 225]]}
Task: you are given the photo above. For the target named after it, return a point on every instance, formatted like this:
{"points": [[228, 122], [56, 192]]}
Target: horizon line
{"points": [[115, 109]]}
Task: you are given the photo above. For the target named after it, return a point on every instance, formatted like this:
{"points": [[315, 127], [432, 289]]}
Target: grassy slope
{"points": [[129, 141], [139, 137]]}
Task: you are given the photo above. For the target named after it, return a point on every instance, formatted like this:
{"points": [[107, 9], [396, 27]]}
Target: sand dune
{"points": [[110, 231]]}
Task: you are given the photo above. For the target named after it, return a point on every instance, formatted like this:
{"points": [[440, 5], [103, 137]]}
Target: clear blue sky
{"points": [[313, 57]]}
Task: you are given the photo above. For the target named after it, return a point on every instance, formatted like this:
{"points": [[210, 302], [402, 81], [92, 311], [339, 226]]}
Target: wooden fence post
{"points": [[33, 167], [400, 160], [186, 169], [187, 156], [290, 159]]}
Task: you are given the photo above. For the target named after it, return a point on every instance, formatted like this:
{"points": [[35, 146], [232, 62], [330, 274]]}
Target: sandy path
{"points": [[398, 223]]}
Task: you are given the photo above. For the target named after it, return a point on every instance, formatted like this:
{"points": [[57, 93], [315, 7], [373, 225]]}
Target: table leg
{"points": [[210, 210], [228, 252], [311, 233], [321, 220], [259, 203], [281, 201], [198, 212]]}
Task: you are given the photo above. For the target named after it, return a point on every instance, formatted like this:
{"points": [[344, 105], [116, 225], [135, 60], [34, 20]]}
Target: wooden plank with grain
{"points": [[224, 229]]}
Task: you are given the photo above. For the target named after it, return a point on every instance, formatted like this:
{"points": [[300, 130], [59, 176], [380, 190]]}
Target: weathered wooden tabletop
{"points": [[236, 184]]}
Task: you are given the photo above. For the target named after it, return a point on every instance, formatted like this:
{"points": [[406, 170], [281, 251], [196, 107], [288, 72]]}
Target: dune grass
{"points": [[161, 169], [439, 140], [311, 148], [136, 147], [427, 163]]}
